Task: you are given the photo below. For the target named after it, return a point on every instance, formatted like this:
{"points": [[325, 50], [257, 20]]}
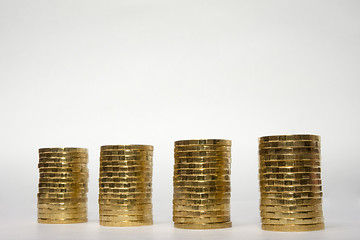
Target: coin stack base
{"points": [[202, 184], [290, 183], [62, 197], [125, 185]]}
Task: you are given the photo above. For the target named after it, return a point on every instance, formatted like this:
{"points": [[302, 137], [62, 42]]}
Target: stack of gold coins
{"points": [[125, 185], [63, 185], [202, 184], [290, 183]]}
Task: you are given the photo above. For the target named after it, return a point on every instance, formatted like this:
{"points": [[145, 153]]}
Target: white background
{"points": [[91, 73]]}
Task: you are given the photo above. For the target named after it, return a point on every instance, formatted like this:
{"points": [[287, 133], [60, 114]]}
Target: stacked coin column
{"points": [[62, 185], [125, 185], [290, 183], [202, 184]]}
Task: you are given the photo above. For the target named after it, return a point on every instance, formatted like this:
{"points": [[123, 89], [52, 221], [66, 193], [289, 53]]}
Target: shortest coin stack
{"points": [[62, 196], [125, 185], [290, 183], [202, 184]]}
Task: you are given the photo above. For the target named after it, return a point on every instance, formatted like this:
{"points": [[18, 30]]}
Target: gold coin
{"points": [[202, 189], [119, 196], [291, 163], [125, 223], [293, 228], [124, 185], [118, 202], [201, 171], [62, 221], [199, 160], [292, 195], [64, 175], [62, 205], [125, 168], [126, 164], [125, 190], [285, 208], [201, 166], [313, 220], [61, 195], [203, 142], [202, 148], [198, 220], [63, 190], [62, 185], [290, 176], [203, 225], [289, 170], [62, 200], [127, 159], [67, 149], [199, 214], [66, 160], [289, 150], [125, 174], [125, 153], [207, 207], [284, 183], [62, 165], [282, 144], [291, 157], [215, 177], [125, 218], [65, 180], [135, 207], [63, 154], [62, 210], [126, 213], [61, 215], [201, 154], [291, 214], [63, 170], [272, 201], [125, 180], [128, 147], [296, 137], [212, 195], [291, 189], [201, 183], [196, 202]]}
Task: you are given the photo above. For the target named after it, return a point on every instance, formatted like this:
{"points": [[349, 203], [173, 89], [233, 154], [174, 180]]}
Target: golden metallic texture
{"points": [[125, 187], [293, 227], [203, 225], [127, 147], [201, 181], [295, 137], [290, 183]]}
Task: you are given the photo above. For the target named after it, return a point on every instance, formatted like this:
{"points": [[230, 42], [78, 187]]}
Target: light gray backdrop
{"points": [[90, 73]]}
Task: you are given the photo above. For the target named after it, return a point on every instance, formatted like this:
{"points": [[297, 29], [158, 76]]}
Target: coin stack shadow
{"points": [[125, 185], [202, 184], [62, 196], [290, 183]]}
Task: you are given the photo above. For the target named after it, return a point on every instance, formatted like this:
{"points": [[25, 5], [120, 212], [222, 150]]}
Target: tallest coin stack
{"points": [[202, 184], [290, 183]]}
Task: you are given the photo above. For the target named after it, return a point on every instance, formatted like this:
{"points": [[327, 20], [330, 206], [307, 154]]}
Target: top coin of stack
{"points": [[125, 185], [290, 183], [63, 185], [202, 184]]}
